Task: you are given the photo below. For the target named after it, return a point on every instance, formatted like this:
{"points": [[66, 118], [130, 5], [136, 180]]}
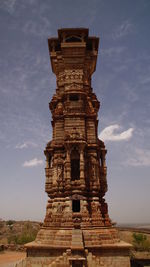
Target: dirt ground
{"points": [[9, 258]]}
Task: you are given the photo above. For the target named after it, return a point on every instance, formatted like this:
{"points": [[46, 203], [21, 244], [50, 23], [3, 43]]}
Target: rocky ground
{"points": [[13, 235]]}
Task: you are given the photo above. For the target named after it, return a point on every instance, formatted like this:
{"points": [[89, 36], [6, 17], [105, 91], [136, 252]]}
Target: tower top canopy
{"points": [[76, 31], [73, 36]]}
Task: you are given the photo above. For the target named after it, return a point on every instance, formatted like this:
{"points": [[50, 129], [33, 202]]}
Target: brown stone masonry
{"points": [[77, 230]]}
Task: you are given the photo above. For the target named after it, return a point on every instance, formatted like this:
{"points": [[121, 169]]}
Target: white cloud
{"points": [[21, 146], [113, 51], [25, 145], [42, 28], [109, 135], [33, 162], [8, 5], [123, 29], [141, 157]]}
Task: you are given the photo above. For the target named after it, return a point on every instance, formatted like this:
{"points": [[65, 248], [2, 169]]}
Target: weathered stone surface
{"points": [[77, 230]]}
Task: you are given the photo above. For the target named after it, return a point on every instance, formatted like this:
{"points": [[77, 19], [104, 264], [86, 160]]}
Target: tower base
{"points": [[77, 248]]}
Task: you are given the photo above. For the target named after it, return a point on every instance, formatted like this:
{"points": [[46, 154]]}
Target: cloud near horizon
{"points": [[26, 145], [33, 162], [108, 134], [140, 157]]}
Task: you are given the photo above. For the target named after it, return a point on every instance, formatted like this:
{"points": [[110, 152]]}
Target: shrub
{"points": [[1, 224], [28, 235], [140, 242], [12, 239], [25, 238], [10, 222]]}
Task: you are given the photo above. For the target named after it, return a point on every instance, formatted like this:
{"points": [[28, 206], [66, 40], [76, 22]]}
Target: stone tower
{"points": [[77, 230]]}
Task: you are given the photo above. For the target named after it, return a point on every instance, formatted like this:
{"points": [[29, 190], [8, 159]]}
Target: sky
{"points": [[121, 83]]}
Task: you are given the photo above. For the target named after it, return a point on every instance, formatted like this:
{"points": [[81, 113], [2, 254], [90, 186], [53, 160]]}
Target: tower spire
{"points": [[76, 225]]}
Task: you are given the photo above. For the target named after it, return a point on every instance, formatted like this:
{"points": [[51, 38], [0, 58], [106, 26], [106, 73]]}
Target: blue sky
{"points": [[121, 82]]}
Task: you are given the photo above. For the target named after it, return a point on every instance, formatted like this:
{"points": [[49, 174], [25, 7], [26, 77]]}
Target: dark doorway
{"points": [[76, 205], [140, 262], [77, 264], [74, 97], [75, 165], [75, 169]]}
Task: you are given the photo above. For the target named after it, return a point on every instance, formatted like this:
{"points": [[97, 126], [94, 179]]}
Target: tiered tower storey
{"points": [[77, 230]]}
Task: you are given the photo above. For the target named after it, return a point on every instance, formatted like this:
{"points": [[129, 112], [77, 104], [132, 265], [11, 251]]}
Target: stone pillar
{"points": [[85, 213], [97, 219], [103, 158], [47, 161], [82, 171], [68, 168]]}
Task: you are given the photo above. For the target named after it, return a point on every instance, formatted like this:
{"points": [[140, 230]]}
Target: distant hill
{"points": [[134, 225]]}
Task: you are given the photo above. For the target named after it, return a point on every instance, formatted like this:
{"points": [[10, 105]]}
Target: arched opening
{"points": [[75, 165], [73, 38], [76, 205]]}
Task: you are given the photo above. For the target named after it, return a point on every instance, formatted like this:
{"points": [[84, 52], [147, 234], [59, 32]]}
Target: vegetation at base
{"points": [[10, 222], [1, 224], [28, 234], [140, 242]]}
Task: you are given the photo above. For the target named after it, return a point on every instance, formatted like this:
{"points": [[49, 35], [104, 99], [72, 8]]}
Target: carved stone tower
{"points": [[77, 230]]}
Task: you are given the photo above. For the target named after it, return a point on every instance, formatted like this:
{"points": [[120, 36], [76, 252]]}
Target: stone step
{"points": [[77, 239]]}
